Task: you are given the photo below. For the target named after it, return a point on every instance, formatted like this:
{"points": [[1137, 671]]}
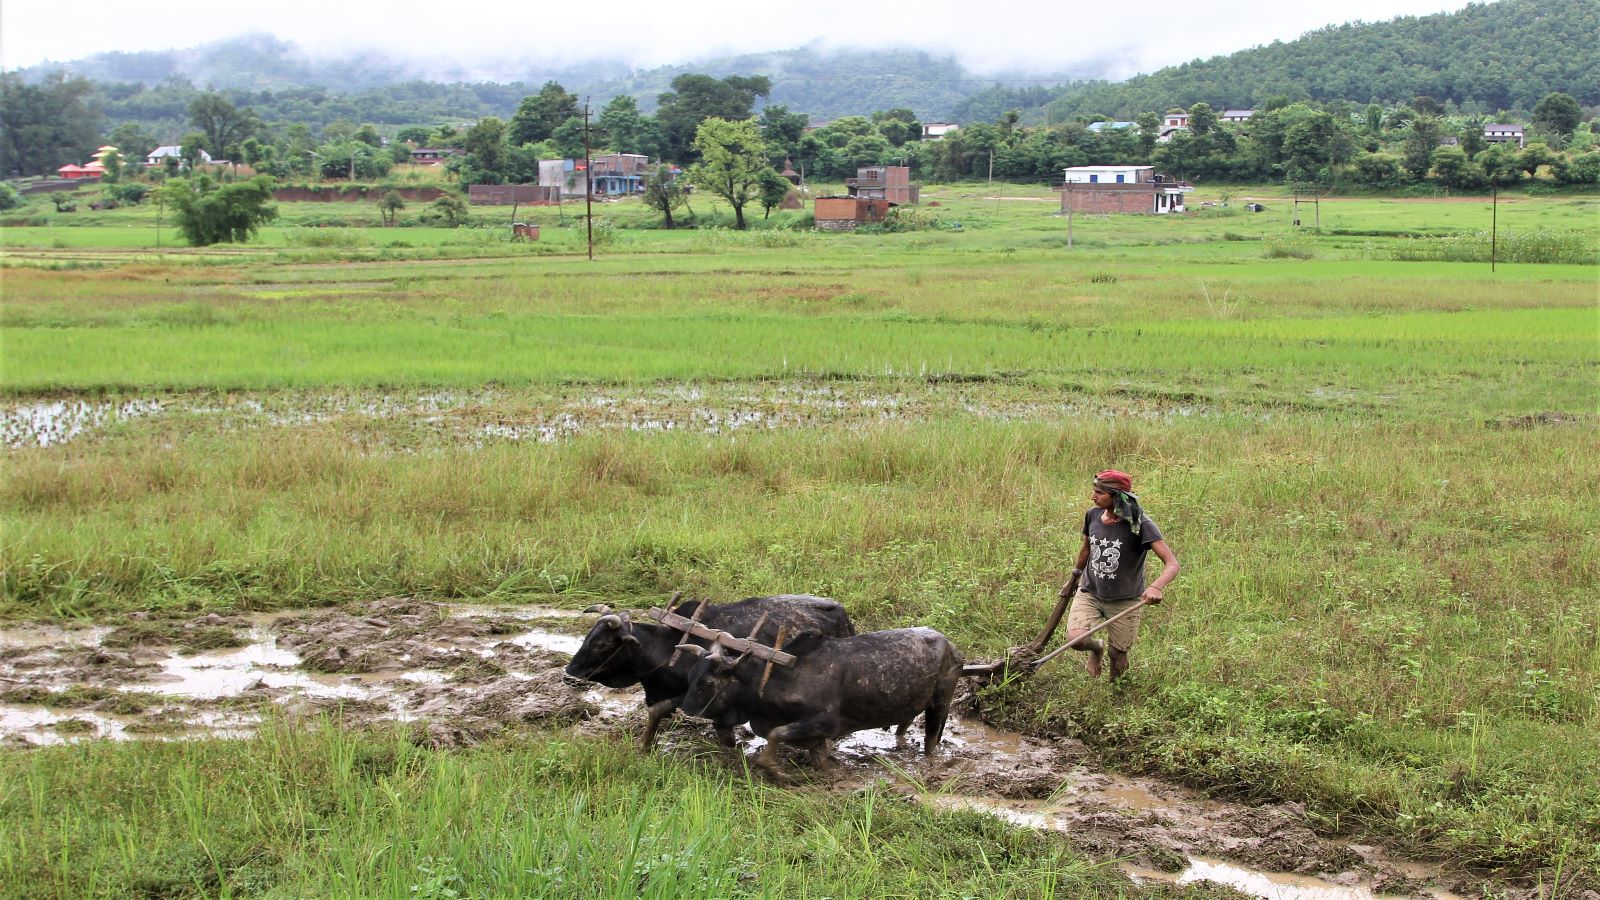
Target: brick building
{"points": [[1121, 189], [891, 183], [849, 213]]}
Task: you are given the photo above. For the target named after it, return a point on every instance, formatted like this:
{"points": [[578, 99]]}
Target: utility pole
{"points": [[1069, 213], [588, 183], [1494, 225]]}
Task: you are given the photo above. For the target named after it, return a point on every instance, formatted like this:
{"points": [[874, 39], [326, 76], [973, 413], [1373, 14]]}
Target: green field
{"points": [[1382, 477]]}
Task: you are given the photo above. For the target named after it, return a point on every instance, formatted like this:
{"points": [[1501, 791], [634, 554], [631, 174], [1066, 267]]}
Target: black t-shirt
{"points": [[1116, 557]]}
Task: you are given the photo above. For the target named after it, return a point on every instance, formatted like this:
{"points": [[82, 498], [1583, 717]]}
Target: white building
{"points": [[159, 155]]}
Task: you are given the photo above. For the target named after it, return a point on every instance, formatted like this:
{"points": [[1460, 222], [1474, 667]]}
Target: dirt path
{"points": [[463, 674]]}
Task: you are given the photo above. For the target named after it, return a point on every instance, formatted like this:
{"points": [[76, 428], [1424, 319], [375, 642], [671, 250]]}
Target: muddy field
{"points": [[463, 674]]}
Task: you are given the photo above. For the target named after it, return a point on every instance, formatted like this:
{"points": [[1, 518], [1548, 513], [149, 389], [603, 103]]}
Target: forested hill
{"points": [[1486, 57], [283, 82], [829, 84]]}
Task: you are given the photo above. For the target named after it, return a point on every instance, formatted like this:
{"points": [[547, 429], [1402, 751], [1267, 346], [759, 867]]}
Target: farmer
{"points": [[1116, 537]]}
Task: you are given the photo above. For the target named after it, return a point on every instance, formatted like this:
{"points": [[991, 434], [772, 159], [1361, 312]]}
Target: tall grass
{"points": [[1537, 246]]}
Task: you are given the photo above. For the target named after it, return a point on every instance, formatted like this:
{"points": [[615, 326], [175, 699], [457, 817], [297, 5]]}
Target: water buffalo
{"points": [[840, 686], [620, 652]]}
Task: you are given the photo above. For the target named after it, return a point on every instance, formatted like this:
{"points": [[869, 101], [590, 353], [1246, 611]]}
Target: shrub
{"points": [[207, 214], [9, 198], [1288, 248]]}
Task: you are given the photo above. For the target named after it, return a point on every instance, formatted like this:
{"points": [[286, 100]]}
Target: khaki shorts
{"points": [[1088, 611]]}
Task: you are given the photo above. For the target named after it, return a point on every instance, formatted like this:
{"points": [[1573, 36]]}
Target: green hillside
{"points": [[1487, 57]]}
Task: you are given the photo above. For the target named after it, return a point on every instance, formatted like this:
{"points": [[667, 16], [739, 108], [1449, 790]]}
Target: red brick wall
{"points": [[1109, 198]]}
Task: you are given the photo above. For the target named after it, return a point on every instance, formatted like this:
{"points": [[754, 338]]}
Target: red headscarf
{"points": [[1112, 478]]}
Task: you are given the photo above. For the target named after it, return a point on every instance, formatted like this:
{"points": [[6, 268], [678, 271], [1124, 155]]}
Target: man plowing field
{"points": [[1107, 586]]}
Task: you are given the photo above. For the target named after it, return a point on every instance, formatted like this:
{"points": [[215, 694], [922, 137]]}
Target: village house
{"points": [[891, 183], [1175, 118], [1098, 127], [569, 176], [1236, 116], [160, 155], [1505, 134], [619, 173], [1121, 189], [432, 156], [848, 213], [933, 131], [95, 168]]}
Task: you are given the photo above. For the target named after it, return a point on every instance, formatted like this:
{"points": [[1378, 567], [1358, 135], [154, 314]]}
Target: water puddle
{"points": [[480, 417], [51, 422]]}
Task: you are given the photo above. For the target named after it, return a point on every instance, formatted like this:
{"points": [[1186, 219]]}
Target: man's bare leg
{"points": [[1092, 647], [1119, 663]]}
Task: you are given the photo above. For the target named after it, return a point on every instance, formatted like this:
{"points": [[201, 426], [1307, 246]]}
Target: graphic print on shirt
{"points": [[1105, 555]]}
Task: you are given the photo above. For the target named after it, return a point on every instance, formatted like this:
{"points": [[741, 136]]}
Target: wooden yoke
{"points": [[673, 605], [761, 691], [736, 644]]}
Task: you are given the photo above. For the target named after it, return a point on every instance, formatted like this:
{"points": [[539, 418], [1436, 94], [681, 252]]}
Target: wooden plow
{"points": [[1025, 660]]}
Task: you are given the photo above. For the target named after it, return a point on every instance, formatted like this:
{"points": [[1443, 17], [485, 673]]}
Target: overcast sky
{"points": [[1021, 34]]}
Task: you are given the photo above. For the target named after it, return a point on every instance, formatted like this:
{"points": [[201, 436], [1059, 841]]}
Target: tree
{"points": [[113, 167], [389, 206], [898, 125], [538, 115], [695, 98], [368, 134], [1557, 113], [207, 214], [9, 198], [1501, 164], [773, 187], [664, 193], [46, 125], [732, 158], [1202, 118], [1149, 129], [1422, 138], [487, 156], [782, 130], [450, 211], [222, 123], [627, 130], [1534, 156], [1454, 170], [133, 140], [414, 134]]}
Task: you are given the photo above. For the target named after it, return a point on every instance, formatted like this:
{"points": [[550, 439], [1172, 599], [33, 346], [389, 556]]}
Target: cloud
{"points": [[1028, 35]]}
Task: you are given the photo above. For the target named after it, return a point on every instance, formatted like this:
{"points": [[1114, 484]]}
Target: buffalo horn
{"points": [[696, 649], [611, 620], [600, 608]]}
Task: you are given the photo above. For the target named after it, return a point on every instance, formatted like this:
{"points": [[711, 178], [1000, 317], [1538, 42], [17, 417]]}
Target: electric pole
{"points": [[588, 183]]}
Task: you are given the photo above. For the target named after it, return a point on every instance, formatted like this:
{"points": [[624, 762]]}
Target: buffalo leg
{"points": [[655, 712]]}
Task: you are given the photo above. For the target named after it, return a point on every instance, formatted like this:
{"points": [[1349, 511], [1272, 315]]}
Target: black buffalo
{"points": [[621, 652], [842, 685]]}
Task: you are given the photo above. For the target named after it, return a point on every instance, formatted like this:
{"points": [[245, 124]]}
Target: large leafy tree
{"points": [[627, 130], [732, 158], [1557, 113], [44, 126], [664, 193], [223, 124], [694, 98], [538, 115], [207, 214]]}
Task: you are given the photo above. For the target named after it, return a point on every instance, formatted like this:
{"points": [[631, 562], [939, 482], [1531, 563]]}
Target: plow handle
{"points": [[1040, 642], [1087, 634]]}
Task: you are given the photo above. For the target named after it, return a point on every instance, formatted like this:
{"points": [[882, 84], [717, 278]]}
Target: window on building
{"points": [[1094, 179], [1120, 179]]}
